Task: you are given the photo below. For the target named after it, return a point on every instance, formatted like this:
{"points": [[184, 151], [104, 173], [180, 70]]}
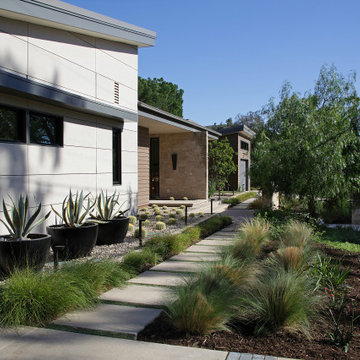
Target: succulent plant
{"points": [[201, 214], [74, 212], [185, 198], [164, 207], [160, 225], [159, 217], [143, 233], [172, 216], [131, 227], [17, 220], [157, 212], [146, 223], [179, 212], [192, 215], [171, 221], [143, 216], [171, 198], [132, 220], [106, 205], [182, 206]]}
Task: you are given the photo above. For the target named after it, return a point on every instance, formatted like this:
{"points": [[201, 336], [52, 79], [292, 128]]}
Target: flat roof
{"points": [[159, 115], [61, 15], [244, 129]]}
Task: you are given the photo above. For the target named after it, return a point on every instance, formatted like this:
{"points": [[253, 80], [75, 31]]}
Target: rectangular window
{"points": [[12, 124], [244, 145], [116, 156], [45, 129]]}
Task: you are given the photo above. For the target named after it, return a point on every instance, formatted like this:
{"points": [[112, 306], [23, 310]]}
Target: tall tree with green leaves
{"points": [[310, 145], [221, 163], [161, 94]]}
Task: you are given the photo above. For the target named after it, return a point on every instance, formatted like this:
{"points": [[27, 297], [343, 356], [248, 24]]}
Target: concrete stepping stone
{"points": [[160, 278], [116, 320], [198, 257], [178, 266], [215, 242], [204, 248], [138, 295], [56, 344]]}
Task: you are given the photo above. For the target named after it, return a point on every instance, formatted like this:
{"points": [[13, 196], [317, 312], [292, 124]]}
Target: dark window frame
{"points": [[23, 126], [20, 124], [59, 128], [117, 161], [244, 145]]}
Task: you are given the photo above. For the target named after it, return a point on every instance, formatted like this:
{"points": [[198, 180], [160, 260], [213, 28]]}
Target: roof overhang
{"points": [[64, 16], [242, 130], [162, 122], [20, 86]]}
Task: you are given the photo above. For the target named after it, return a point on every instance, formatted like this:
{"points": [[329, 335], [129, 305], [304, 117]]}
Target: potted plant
{"points": [[113, 224], [21, 249], [75, 237]]}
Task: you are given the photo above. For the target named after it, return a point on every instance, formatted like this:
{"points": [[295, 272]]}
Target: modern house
{"points": [[70, 117], [239, 137], [68, 101]]}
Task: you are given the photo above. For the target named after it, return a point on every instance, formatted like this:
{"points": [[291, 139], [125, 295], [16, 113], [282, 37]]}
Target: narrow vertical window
{"points": [[116, 156], [12, 124]]}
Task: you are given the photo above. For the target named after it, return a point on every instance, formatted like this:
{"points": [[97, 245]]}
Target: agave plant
{"points": [[107, 207], [18, 222], [74, 212]]}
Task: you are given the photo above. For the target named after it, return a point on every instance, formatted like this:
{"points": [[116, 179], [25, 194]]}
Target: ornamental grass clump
{"points": [[296, 233], [256, 232], [205, 302], [139, 261], [281, 300]]}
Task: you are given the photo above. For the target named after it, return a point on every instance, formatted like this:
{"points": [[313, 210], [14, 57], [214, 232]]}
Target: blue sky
{"points": [[231, 56]]}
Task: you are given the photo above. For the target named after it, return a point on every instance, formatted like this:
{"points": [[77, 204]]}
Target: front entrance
{"points": [[244, 184], [154, 168]]}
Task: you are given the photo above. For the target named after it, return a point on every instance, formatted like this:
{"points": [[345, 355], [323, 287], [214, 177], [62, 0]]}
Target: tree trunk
{"points": [[311, 206]]}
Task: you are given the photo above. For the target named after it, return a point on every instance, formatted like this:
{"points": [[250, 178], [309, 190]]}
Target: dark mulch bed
{"points": [[283, 343]]}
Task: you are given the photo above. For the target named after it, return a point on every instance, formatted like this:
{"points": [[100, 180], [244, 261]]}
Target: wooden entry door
{"points": [[154, 169]]}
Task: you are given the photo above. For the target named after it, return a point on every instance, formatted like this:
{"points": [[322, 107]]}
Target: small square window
{"points": [[45, 129], [12, 124], [244, 145]]}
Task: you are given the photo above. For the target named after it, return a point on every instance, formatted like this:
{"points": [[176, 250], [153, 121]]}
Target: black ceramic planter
{"points": [[20, 254], [76, 241], [113, 231]]}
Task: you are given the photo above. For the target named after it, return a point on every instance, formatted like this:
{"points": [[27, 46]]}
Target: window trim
{"points": [[117, 178], [247, 145], [24, 126]]}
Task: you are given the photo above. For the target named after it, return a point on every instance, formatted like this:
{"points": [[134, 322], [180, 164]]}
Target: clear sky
{"points": [[231, 56]]}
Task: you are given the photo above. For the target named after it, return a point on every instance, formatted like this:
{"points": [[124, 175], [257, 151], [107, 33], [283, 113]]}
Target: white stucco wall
{"points": [[72, 62], [47, 173]]}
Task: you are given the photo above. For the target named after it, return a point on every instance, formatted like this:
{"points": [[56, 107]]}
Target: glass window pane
{"points": [[116, 156], [8, 125], [44, 129]]}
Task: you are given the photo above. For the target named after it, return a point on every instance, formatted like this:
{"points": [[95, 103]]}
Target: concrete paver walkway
{"points": [[126, 311]]}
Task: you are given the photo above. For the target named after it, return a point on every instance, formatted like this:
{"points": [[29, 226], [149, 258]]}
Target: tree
{"points": [[253, 119], [161, 94], [221, 163], [305, 147]]}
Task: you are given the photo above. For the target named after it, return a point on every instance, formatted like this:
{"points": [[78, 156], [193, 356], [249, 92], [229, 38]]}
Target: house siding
{"points": [[143, 166]]}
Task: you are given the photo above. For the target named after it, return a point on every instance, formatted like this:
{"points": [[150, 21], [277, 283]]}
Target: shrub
{"points": [[138, 261], [171, 198], [296, 233], [132, 219], [159, 217], [193, 233], [146, 223], [160, 225], [131, 228], [240, 198], [281, 300], [168, 245], [143, 233], [171, 221], [257, 205]]}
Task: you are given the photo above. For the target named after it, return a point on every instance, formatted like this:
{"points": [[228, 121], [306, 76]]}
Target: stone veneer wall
{"points": [[191, 175]]}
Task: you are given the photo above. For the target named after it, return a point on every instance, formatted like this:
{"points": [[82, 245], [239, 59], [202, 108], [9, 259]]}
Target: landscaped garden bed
{"points": [[289, 306]]}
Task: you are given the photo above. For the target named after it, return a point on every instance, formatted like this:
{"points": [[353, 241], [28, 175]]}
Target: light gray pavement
{"points": [[131, 309], [138, 295]]}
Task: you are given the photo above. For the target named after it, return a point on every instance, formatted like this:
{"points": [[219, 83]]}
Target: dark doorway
{"points": [[244, 184], [154, 168]]}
